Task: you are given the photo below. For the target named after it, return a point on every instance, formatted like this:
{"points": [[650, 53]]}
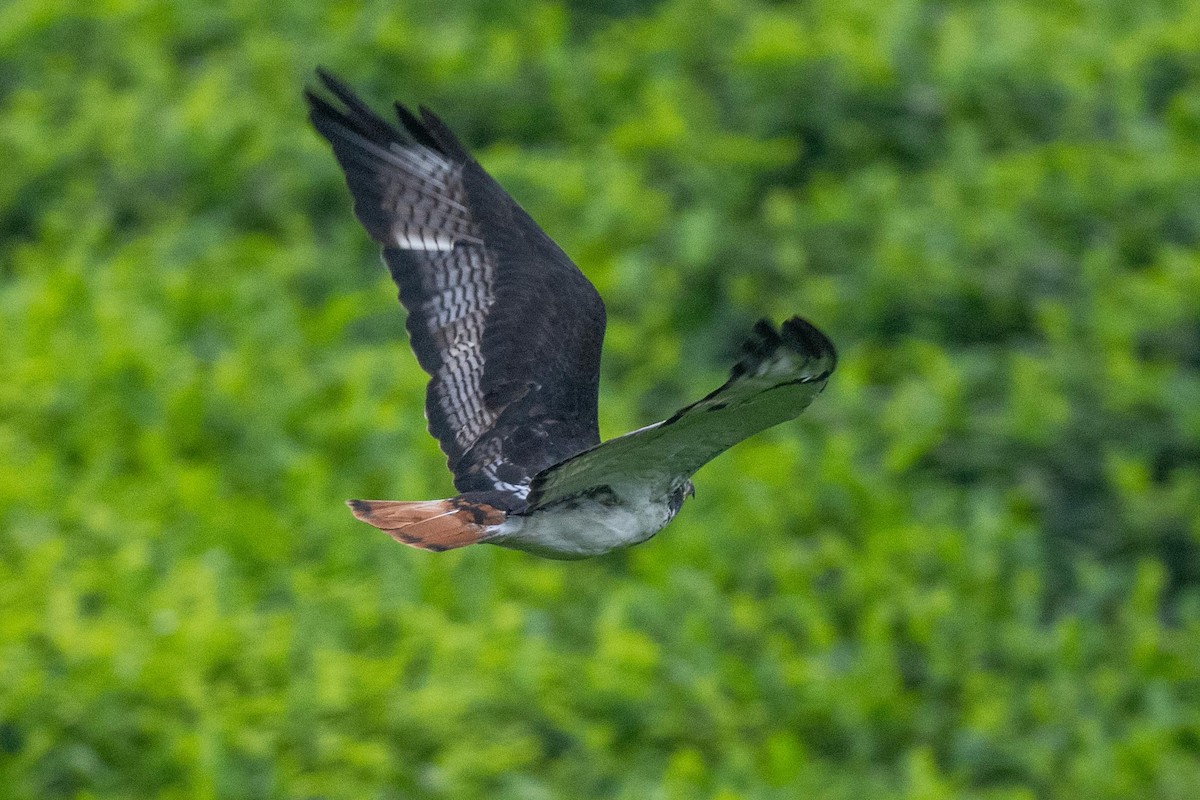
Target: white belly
{"points": [[585, 527]]}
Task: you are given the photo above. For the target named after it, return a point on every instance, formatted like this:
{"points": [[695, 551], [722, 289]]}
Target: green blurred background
{"points": [[971, 570]]}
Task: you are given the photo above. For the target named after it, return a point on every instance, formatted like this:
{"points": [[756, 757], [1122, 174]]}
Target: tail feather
{"points": [[430, 524]]}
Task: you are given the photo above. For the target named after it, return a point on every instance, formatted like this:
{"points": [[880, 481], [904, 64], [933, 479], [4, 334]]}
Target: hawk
{"points": [[510, 332]]}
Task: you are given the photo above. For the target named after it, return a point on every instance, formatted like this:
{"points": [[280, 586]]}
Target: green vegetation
{"points": [[971, 570]]}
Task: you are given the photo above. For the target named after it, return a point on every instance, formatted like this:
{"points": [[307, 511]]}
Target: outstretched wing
{"points": [[780, 375], [507, 327]]}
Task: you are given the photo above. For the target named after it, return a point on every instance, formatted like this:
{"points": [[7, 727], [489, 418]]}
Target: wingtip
{"points": [[440, 133], [321, 107], [332, 82], [415, 126], [797, 334], [361, 509], [803, 336], [765, 329], [327, 80], [763, 341]]}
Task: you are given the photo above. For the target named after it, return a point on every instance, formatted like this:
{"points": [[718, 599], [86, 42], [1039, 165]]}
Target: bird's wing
{"points": [[507, 327], [779, 376]]}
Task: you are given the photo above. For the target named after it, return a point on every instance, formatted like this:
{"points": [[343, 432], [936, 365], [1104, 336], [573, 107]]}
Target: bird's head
{"points": [[681, 492]]}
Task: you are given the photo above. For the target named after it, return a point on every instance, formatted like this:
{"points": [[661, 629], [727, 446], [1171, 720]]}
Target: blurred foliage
{"points": [[971, 570]]}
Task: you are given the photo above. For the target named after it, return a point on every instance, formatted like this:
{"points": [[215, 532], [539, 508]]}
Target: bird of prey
{"points": [[510, 331]]}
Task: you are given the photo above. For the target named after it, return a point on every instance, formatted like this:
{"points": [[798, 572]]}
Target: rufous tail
{"points": [[429, 524]]}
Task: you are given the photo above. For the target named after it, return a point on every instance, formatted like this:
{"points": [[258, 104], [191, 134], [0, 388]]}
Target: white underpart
{"points": [[587, 527]]}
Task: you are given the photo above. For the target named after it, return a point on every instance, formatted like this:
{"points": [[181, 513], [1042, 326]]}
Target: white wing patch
{"points": [[410, 237], [426, 200]]}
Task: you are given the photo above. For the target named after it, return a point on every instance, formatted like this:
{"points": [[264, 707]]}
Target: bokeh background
{"points": [[971, 570]]}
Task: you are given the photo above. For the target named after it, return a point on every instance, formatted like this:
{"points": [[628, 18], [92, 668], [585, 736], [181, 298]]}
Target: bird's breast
{"points": [[590, 525]]}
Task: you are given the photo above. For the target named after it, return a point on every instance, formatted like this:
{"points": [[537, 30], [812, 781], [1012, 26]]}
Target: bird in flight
{"points": [[510, 332]]}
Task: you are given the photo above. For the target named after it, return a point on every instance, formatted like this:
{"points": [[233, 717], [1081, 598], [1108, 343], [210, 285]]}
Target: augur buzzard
{"points": [[509, 331]]}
